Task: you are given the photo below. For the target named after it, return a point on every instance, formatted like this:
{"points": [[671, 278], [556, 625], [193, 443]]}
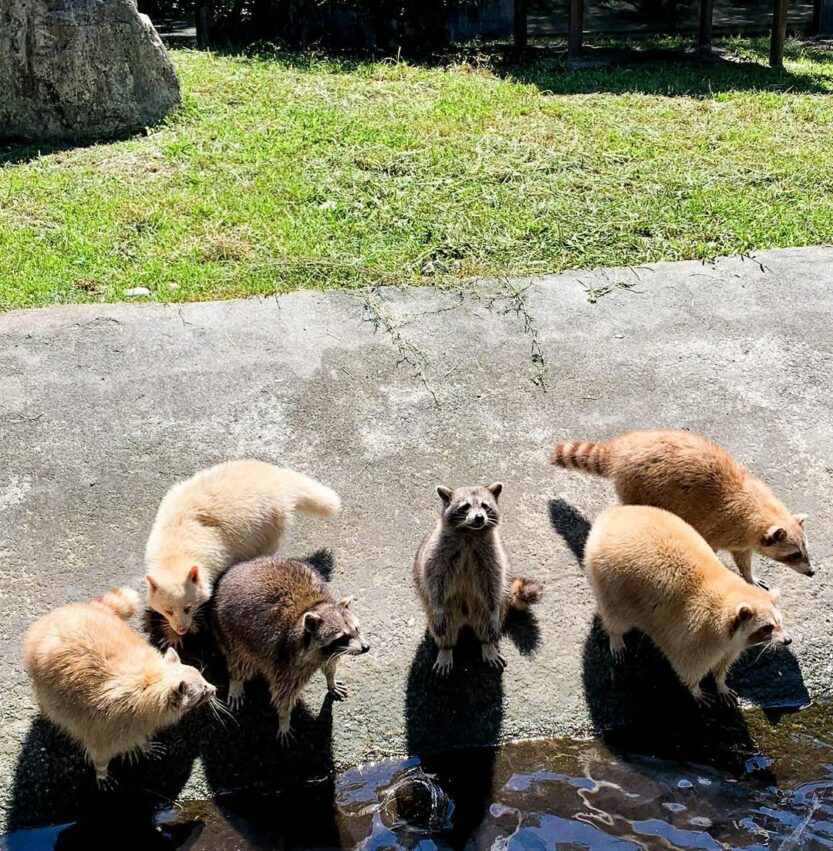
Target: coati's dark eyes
{"points": [[794, 557]]}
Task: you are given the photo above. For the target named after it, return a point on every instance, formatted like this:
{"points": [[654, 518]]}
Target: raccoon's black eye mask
{"points": [[341, 641]]}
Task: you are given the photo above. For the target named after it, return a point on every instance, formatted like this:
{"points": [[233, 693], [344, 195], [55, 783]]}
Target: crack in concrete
{"points": [[409, 352]]}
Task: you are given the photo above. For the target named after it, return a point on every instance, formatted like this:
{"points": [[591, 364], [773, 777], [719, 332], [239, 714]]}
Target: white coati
{"points": [[462, 574], [225, 514], [651, 571], [276, 617], [699, 481], [101, 682]]}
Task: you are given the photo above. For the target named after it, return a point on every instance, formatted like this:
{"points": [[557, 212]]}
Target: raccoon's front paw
{"points": [[444, 663], [171, 638], [104, 781], [285, 735], [617, 649], [727, 695], [152, 750], [492, 656], [701, 697], [338, 690], [235, 694], [756, 580]]}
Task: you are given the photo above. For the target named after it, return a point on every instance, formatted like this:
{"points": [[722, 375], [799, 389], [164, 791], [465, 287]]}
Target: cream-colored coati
{"points": [[229, 513], [462, 574], [101, 682], [276, 617], [651, 571], [702, 483]]}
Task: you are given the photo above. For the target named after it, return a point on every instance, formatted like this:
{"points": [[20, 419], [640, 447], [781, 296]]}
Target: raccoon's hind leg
{"points": [[446, 639], [488, 633], [335, 687], [239, 673], [616, 630], [284, 704]]}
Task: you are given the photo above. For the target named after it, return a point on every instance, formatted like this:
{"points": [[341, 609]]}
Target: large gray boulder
{"points": [[71, 69]]}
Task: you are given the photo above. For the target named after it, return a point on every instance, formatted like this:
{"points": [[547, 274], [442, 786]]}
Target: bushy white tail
{"points": [[312, 497], [124, 602]]}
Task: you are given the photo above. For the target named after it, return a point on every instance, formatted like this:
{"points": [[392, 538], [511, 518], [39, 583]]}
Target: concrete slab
{"points": [[382, 395]]}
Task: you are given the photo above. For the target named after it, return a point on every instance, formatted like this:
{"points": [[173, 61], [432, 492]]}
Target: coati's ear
{"points": [[171, 656], [311, 622], [495, 488], [799, 518], [345, 603], [444, 493], [194, 574], [151, 584], [773, 535], [743, 613]]}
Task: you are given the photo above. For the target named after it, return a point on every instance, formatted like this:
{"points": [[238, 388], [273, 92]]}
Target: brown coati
{"points": [[701, 482], [276, 617], [462, 574]]}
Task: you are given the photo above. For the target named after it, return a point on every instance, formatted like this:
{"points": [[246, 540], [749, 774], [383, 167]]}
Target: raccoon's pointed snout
{"points": [[478, 521], [365, 647]]}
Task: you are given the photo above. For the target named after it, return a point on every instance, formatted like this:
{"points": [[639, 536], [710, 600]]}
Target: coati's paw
{"points": [[492, 656], [235, 694], [727, 695], [617, 649], [285, 736], [444, 663], [339, 691], [756, 580]]}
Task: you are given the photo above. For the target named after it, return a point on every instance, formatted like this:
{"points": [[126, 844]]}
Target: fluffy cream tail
{"points": [[312, 497], [582, 455], [124, 602]]}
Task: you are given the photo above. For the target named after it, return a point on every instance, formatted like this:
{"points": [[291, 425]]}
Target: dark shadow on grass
{"points": [[16, 152]]}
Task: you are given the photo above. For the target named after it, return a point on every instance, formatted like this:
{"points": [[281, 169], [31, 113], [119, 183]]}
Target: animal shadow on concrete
{"points": [[571, 525], [54, 784], [464, 709]]}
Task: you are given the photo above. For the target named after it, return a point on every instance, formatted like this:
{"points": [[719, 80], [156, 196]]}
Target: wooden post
{"points": [[779, 33], [202, 13], [520, 23], [576, 29], [706, 17]]}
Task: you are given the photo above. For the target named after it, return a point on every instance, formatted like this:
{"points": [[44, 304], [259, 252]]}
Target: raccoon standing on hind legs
{"points": [[462, 575], [699, 481]]}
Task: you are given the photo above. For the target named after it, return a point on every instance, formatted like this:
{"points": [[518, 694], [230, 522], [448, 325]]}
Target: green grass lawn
{"points": [[283, 172]]}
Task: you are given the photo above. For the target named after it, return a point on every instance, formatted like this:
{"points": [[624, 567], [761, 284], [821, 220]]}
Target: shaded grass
{"points": [[286, 171]]}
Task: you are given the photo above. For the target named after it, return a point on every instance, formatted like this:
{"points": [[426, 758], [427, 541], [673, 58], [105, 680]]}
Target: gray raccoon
{"points": [[276, 617], [462, 574]]}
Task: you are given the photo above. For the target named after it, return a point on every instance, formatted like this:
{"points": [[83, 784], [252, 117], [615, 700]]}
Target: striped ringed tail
{"points": [[582, 455]]}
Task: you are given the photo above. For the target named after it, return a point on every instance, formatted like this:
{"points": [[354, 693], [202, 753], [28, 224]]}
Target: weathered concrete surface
{"points": [[383, 396], [73, 69]]}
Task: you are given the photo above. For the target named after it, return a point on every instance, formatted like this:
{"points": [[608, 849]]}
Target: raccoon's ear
{"points": [[444, 493], [171, 656], [799, 518], [151, 584], [495, 488], [194, 574], [743, 613], [773, 535], [345, 603], [311, 622]]}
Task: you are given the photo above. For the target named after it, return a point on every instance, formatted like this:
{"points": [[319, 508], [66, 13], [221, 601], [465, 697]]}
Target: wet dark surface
{"points": [[769, 788]]}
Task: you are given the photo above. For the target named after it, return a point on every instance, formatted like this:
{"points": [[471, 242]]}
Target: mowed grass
{"points": [[285, 171]]}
